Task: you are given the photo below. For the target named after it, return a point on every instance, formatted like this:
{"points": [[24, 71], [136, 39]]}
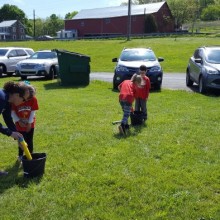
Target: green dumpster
{"points": [[74, 68]]}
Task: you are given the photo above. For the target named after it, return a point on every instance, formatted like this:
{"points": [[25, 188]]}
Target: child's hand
{"points": [[28, 127], [20, 145]]}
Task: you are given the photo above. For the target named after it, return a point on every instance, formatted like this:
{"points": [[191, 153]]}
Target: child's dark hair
{"points": [[12, 87], [143, 68]]}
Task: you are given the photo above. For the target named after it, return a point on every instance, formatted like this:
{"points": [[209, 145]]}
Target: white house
{"points": [[67, 34]]}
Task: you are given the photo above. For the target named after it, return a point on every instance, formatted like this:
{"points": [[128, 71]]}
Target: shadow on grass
{"points": [[53, 84], [133, 131], [57, 85], [33, 79], [210, 92], [14, 179]]}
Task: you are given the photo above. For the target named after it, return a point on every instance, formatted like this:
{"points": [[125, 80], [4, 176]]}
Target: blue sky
{"points": [[44, 8]]}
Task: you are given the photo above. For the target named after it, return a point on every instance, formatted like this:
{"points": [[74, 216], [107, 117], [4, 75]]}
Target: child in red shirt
{"points": [[142, 93], [24, 118], [126, 97]]}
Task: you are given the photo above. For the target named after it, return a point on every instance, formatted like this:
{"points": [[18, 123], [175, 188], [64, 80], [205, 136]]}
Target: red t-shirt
{"points": [[127, 91], [143, 91], [23, 111]]}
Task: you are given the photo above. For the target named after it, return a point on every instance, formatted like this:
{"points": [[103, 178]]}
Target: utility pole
{"points": [[129, 20], [34, 22]]}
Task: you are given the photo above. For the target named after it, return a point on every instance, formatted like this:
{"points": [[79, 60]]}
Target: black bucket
{"points": [[137, 118], [35, 167]]}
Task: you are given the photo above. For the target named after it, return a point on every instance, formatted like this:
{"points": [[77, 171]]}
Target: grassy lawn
{"points": [[165, 169], [176, 51]]}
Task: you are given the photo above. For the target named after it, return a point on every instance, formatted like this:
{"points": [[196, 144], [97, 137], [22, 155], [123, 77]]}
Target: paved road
{"points": [[175, 81]]}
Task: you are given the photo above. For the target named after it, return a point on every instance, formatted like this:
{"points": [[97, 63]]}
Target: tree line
{"points": [[36, 26], [184, 11]]}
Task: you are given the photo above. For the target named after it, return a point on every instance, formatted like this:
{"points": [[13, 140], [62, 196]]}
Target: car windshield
{"points": [[213, 56], [138, 55], [44, 55], [3, 52], [30, 52]]}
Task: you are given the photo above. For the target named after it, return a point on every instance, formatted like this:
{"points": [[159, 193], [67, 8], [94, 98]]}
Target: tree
{"points": [[53, 24], [70, 15], [182, 13], [211, 13], [39, 27], [150, 24], [12, 12]]}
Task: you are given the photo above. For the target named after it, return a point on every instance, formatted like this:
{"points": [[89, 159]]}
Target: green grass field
{"points": [[176, 51], [165, 169]]}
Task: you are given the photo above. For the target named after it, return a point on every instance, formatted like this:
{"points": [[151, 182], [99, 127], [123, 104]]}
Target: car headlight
{"points": [[211, 71], [155, 69], [122, 69], [40, 65]]}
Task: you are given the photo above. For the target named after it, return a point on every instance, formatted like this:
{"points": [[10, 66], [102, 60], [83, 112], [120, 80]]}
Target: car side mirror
{"points": [[160, 59], [198, 60], [115, 60]]}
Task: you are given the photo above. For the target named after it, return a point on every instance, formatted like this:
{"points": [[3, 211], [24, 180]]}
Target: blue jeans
{"points": [[126, 108]]}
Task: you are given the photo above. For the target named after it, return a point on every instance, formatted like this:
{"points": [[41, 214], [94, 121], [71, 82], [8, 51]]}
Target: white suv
{"points": [[10, 56], [41, 63]]}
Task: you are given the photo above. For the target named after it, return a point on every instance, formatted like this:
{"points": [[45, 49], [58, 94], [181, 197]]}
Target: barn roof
{"points": [[118, 11]]}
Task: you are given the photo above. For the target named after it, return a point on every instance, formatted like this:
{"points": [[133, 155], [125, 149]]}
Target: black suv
{"points": [[204, 68], [129, 62]]}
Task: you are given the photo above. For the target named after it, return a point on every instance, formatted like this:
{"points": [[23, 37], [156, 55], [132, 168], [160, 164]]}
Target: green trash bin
{"points": [[74, 68]]}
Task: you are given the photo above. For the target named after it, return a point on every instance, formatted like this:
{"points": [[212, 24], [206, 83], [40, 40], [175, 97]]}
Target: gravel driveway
{"points": [[175, 81]]}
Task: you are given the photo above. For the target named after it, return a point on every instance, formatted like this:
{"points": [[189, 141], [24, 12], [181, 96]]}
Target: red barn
{"points": [[114, 20]]}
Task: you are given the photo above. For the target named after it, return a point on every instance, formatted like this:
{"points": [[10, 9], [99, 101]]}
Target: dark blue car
{"points": [[129, 62]]}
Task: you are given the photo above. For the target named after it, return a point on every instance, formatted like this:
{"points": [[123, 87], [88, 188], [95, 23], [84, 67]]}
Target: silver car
{"points": [[10, 56], [42, 63], [204, 68]]}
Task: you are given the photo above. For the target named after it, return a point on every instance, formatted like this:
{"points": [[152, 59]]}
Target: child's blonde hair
{"points": [[32, 91], [136, 79]]}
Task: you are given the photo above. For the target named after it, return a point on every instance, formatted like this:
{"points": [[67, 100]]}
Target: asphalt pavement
{"points": [[174, 81]]}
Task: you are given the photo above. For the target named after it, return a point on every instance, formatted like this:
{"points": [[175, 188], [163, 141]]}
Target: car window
{"points": [[3, 52], [21, 52], [213, 56], [12, 53], [196, 54], [137, 55], [201, 54], [30, 52], [44, 55]]}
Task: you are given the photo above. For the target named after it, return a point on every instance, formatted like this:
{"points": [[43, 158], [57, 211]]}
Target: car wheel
{"points": [[202, 87], [9, 74], [51, 73], [157, 86], [115, 85], [189, 82], [1, 71], [23, 77]]}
